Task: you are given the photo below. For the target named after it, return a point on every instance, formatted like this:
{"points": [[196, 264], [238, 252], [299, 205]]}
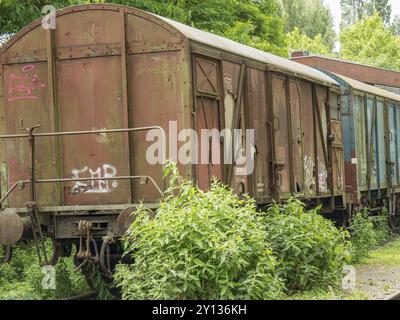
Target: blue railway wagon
{"points": [[371, 134]]}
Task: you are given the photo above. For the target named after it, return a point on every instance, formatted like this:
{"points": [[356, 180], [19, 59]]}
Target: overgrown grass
{"points": [[21, 279], [388, 255], [327, 295]]}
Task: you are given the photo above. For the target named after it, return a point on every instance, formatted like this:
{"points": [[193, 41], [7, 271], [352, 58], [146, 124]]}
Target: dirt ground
{"points": [[377, 281]]}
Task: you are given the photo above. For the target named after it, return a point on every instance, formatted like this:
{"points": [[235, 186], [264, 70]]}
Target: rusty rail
{"points": [[32, 180], [86, 296], [394, 297]]}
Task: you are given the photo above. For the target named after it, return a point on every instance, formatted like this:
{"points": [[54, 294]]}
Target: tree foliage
{"points": [[14, 15], [299, 41], [312, 18], [254, 22], [353, 10], [370, 42]]}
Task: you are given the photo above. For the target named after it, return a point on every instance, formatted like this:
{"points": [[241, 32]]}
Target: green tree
{"points": [[14, 15], [299, 41], [370, 42], [312, 17], [395, 25], [353, 10], [253, 22]]}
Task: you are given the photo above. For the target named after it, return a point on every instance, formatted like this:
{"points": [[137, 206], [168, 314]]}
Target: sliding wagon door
{"points": [[296, 133], [208, 120]]}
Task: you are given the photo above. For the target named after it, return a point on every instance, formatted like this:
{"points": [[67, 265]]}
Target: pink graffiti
{"points": [[21, 87]]}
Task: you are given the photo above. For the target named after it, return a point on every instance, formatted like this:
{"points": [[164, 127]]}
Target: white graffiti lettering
{"points": [[309, 179], [322, 177], [95, 186]]}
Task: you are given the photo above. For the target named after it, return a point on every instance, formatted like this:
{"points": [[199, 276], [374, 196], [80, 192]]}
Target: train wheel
{"points": [[5, 254]]}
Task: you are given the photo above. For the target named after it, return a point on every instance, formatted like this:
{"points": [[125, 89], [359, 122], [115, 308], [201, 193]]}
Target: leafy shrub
{"points": [[14, 270], [68, 282], [363, 236], [367, 232], [24, 273], [199, 246], [311, 251], [383, 231]]}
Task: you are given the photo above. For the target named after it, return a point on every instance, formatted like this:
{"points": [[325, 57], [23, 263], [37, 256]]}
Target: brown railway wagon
{"points": [[106, 77]]}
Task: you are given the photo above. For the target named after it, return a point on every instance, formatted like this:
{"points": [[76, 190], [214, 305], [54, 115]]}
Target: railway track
{"points": [[87, 296], [395, 296]]}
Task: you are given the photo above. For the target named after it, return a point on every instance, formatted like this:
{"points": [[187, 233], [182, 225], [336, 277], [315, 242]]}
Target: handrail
{"points": [[31, 135], [44, 181], [72, 133]]}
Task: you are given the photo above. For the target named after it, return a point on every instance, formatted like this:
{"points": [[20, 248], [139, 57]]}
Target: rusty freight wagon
{"points": [[106, 77], [371, 123]]}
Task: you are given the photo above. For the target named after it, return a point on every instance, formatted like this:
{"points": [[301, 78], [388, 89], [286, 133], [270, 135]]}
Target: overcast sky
{"points": [[335, 7]]}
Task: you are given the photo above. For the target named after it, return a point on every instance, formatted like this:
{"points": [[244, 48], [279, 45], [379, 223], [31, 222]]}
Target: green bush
{"points": [[22, 277], [367, 232], [311, 251], [199, 246], [363, 236], [383, 231]]}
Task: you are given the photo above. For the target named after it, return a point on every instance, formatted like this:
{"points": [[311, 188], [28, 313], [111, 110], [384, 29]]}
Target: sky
{"points": [[335, 8]]}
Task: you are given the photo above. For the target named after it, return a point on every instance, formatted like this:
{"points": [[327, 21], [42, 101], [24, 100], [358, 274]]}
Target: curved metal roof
{"points": [[202, 37], [228, 45], [361, 86]]}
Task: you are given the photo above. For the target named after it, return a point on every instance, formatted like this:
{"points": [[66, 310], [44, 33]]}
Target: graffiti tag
{"points": [[95, 186], [22, 87]]}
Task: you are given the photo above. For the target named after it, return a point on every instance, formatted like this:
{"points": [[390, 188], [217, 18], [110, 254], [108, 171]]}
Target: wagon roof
{"points": [[202, 37], [231, 46], [361, 86]]}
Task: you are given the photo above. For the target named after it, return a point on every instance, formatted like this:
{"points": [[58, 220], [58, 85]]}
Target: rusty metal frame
{"points": [[55, 124], [370, 136], [290, 135], [32, 181], [3, 173], [388, 155], [271, 132], [217, 97], [236, 115], [125, 97], [330, 150]]}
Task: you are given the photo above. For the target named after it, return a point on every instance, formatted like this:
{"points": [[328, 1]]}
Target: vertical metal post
{"points": [[55, 122], [316, 164], [125, 99], [32, 174], [32, 205], [290, 135], [236, 119], [330, 147], [3, 126]]}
